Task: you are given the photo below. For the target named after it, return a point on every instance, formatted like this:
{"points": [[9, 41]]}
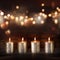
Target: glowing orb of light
{"points": [[5, 17], [49, 15], [57, 8], [21, 18], [56, 18], [1, 17], [33, 22], [17, 7], [42, 4], [25, 20], [43, 10], [1, 13], [42, 22], [3, 25], [16, 19], [8, 15], [7, 23], [12, 17], [56, 21], [22, 23]]}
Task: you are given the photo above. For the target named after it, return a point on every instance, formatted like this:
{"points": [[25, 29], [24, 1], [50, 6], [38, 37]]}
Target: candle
{"points": [[49, 46], [22, 46], [35, 46], [9, 46]]}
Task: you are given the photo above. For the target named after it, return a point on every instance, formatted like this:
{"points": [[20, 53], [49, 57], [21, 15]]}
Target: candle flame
{"points": [[9, 39], [48, 39], [34, 38], [22, 38]]}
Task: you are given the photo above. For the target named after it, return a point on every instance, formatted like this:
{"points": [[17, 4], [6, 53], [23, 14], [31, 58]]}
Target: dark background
{"points": [[40, 31], [33, 4]]}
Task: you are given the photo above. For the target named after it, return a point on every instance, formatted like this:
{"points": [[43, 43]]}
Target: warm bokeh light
{"points": [[8, 32], [21, 17], [56, 21], [42, 4], [2, 25], [8, 15], [1, 13], [57, 8], [31, 19], [1, 19], [56, 13], [40, 18], [22, 23], [34, 22], [26, 17], [12, 17], [6, 22], [49, 15], [43, 10], [17, 7], [16, 19], [25, 20], [5, 17], [42, 22]]}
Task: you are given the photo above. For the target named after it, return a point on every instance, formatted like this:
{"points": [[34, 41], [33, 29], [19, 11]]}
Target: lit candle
{"points": [[35, 46], [49, 46], [22, 46], [9, 46]]}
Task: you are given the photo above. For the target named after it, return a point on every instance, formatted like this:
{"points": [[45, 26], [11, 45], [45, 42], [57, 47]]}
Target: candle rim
{"points": [[22, 42], [35, 41], [48, 41]]}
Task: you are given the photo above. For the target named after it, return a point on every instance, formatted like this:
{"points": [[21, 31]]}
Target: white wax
{"points": [[22, 47], [9, 47], [35, 47], [49, 47]]}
